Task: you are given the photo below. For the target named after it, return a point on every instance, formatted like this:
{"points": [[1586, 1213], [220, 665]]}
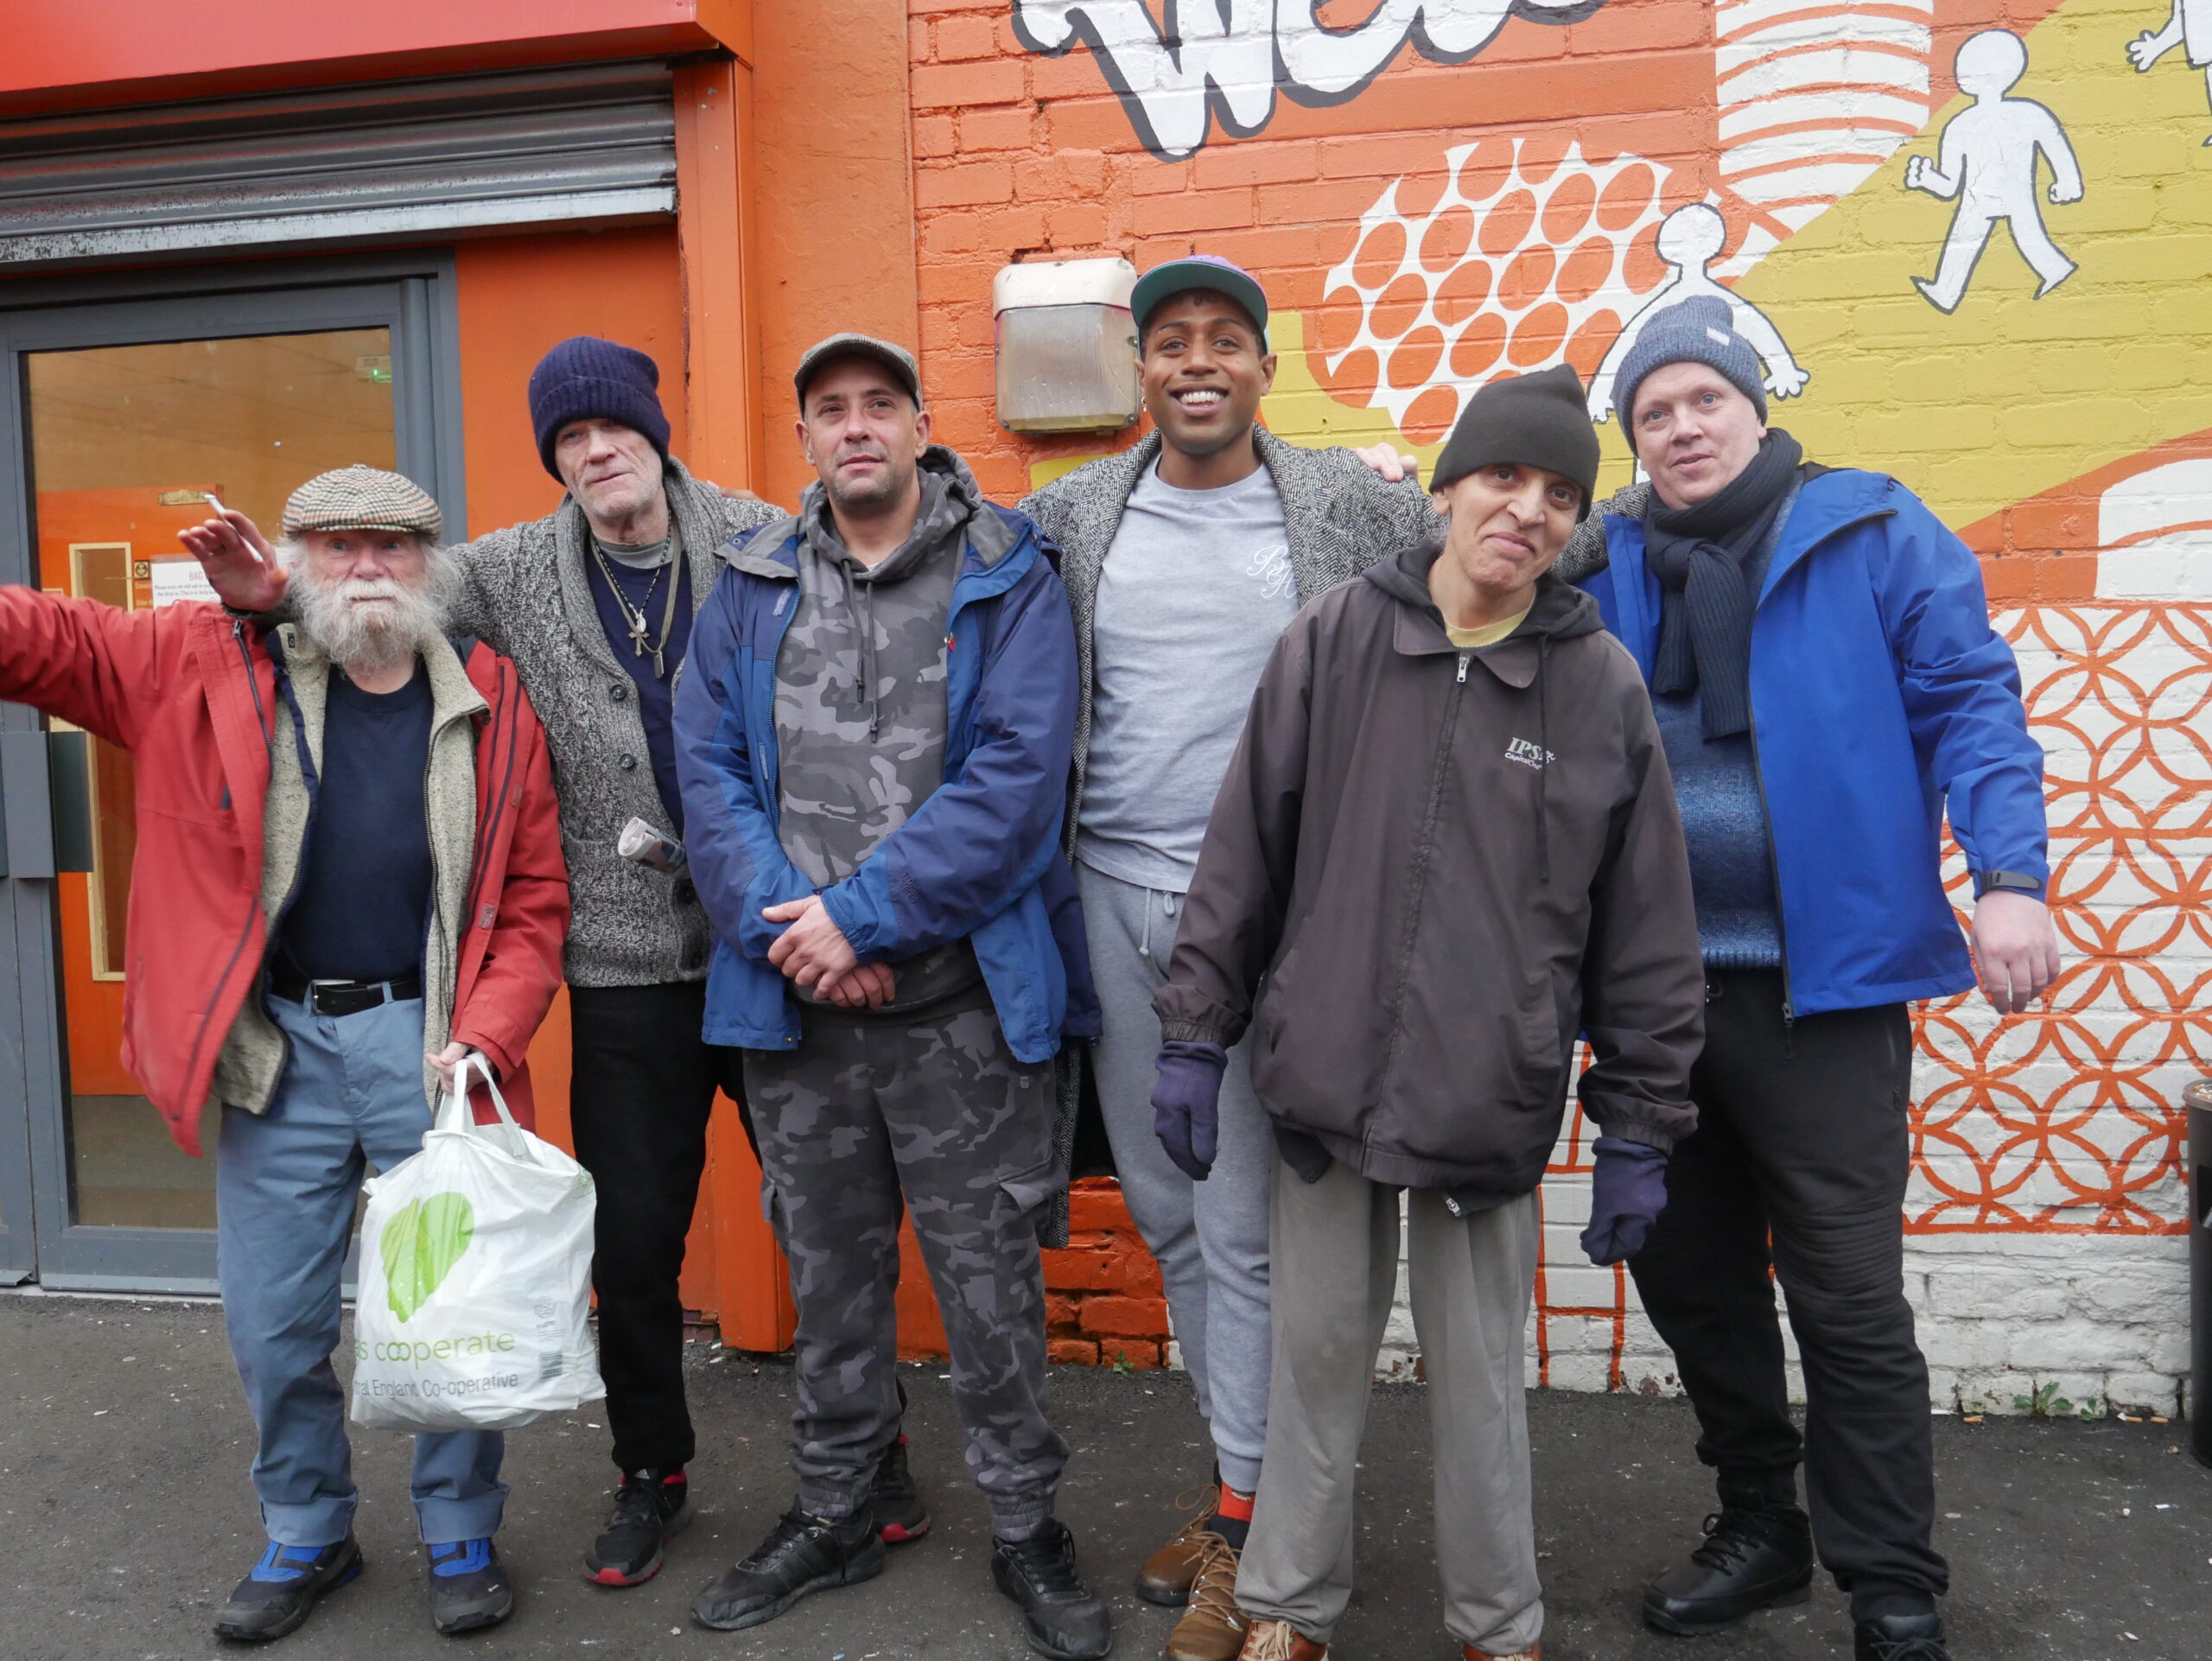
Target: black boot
{"points": [[1899, 1637], [802, 1554], [650, 1508], [1751, 1560], [283, 1589], [1066, 1622], [900, 1515]]}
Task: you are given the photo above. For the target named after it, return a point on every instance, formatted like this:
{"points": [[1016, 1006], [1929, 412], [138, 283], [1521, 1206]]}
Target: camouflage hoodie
{"points": [[861, 694]]}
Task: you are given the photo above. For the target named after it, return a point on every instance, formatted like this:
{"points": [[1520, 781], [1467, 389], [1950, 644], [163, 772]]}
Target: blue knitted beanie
{"points": [[585, 378], [1701, 329]]}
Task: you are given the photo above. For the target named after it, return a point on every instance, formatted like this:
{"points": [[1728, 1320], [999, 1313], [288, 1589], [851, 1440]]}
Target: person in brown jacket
{"points": [[1448, 844]]}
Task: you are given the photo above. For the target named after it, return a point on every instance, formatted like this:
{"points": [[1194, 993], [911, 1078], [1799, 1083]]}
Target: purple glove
{"points": [[1628, 1190], [1185, 1104]]}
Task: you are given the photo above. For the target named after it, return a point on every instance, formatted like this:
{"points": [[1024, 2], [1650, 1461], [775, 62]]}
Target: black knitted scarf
{"points": [[1699, 554]]}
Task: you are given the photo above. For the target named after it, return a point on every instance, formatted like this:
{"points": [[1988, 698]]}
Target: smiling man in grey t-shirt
{"points": [[1184, 559]]}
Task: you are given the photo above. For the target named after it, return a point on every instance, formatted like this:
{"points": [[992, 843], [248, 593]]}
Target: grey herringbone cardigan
{"points": [[524, 593], [1340, 518]]}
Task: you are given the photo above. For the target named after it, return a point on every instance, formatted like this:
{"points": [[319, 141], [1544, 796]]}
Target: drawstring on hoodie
{"points": [[1543, 772], [869, 689]]}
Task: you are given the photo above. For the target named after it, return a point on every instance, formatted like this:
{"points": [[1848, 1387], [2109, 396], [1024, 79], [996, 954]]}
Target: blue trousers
{"points": [[351, 1096]]}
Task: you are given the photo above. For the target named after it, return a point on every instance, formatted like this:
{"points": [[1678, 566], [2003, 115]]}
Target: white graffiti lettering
{"points": [[1226, 59]]}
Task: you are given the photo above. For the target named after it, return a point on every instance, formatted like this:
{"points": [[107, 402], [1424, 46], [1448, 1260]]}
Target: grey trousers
{"points": [[1211, 1237], [938, 1111], [1335, 1265]]}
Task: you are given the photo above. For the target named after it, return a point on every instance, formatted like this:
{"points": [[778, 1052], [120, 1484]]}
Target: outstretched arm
{"points": [[95, 666], [1784, 378], [2147, 48]]}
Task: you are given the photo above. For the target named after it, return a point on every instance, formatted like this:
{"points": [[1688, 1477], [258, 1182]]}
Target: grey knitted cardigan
{"points": [[1340, 518], [1585, 553], [524, 592]]}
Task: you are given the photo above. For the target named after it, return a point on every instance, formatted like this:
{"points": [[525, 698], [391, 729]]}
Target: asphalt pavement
{"points": [[125, 1515]]}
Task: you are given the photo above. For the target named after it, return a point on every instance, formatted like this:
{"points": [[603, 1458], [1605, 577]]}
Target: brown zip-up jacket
{"points": [[1434, 867]]}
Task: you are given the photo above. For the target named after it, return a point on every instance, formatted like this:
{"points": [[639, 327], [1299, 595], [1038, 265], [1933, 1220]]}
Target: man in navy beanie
{"points": [[593, 603], [1827, 687]]}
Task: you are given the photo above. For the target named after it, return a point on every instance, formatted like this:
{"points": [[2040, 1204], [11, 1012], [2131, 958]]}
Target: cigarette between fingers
{"points": [[222, 513]]}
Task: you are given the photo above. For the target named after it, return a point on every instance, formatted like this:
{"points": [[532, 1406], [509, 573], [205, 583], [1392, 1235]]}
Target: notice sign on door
{"points": [[179, 579]]}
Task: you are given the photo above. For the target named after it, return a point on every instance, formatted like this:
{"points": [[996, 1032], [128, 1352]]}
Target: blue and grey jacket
{"points": [[1881, 698], [979, 860]]}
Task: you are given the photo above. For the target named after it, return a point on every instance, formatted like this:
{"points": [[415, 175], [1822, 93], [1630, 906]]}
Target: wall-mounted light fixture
{"points": [[1067, 349]]}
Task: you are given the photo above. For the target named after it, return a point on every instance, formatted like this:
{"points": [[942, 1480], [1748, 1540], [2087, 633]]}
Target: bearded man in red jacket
{"points": [[348, 877]]}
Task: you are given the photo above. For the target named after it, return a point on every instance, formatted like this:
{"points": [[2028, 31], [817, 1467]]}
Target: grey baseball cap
{"points": [[896, 359]]}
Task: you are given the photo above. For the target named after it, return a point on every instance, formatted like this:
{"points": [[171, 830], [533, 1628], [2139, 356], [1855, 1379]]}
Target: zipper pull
{"points": [[1464, 656]]}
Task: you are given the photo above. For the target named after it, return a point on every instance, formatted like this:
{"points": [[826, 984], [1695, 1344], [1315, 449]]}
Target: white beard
{"points": [[355, 635]]}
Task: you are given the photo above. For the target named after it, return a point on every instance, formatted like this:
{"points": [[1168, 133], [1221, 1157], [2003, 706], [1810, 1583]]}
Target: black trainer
{"points": [[650, 1508], [1066, 1622], [469, 1586], [900, 1515], [282, 1590], [1751, 1560], [1899, 1637], [802, 1554]]}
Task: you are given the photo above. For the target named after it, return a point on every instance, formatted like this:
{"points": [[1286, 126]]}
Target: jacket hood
{"points": [[1559, 611]]}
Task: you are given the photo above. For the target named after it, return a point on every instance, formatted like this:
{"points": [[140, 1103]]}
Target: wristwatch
{"points": [[1984, 881]]}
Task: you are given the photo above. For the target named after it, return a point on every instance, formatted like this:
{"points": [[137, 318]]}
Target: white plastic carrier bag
{"points": [[475, 1278]]}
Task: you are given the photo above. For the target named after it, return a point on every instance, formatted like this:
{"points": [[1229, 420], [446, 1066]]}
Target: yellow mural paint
{"points": [[2010, 395]]}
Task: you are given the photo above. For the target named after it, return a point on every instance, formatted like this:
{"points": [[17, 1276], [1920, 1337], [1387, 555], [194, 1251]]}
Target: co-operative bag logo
{"points": [[420, 1245]]}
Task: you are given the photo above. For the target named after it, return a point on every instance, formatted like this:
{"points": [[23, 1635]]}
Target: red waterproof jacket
{"points": [[190, 692]]}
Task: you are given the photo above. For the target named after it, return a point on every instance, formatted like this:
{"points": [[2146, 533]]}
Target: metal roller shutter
{"points": [[345, 163]]}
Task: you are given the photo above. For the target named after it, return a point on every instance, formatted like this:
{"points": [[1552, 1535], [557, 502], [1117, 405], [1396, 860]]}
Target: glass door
{"points": [[126, 417]]}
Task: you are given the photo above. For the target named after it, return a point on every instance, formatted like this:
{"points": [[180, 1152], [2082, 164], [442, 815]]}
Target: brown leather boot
{"points": [[1278, 1640], [1167, 1574], [1212, 1628], [1534, 1652]]}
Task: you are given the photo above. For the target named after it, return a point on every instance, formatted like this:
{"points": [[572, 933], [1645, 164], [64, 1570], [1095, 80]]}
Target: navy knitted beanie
{"points": [[585, 378], [1701, 329]]}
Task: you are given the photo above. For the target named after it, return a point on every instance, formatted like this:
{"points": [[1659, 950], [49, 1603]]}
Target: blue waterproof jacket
{"points": [[980, 858], [1880, 696]]}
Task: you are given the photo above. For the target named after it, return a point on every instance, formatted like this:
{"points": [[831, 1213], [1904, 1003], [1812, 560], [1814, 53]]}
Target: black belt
{"points": [[343, 998]]}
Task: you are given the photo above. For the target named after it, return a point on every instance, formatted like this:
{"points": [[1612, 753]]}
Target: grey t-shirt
{"points": [[1196, 587]]}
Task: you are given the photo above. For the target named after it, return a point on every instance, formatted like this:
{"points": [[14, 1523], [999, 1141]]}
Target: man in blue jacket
{"points": [[874, 735], [1827, 687]]}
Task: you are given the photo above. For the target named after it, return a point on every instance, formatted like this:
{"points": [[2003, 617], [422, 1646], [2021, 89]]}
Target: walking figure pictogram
{"points": [[1690, 239], [1987, 159]]}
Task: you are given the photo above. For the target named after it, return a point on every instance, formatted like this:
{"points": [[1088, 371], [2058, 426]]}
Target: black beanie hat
{"points": [[585, 378], [1539, 421]]}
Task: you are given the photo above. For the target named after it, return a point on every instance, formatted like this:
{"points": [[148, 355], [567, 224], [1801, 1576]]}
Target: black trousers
{"points": [[642, 1088], [1798, 1164]]}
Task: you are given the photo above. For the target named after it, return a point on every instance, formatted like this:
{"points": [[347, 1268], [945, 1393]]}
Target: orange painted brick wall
{"points": [[1423, 225]]}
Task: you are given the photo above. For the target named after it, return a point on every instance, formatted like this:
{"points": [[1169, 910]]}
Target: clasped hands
{"points": [[814, 955]]}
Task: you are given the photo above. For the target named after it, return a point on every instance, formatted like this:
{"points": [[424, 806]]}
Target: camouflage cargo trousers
{"points": [[937, 1110]]}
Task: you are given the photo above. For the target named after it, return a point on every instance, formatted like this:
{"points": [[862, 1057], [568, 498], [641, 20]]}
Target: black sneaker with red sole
{"points": [[650, 1508], [900, 1515]]}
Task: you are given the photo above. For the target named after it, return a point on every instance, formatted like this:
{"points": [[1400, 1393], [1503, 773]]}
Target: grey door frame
{"points": [[413, 294]]}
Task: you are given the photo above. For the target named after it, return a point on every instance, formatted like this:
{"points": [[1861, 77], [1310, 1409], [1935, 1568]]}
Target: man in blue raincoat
{"points": [[1828, 689]]}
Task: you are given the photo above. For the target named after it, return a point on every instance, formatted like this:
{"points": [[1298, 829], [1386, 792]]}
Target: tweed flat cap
{"points": [[362, 498]]}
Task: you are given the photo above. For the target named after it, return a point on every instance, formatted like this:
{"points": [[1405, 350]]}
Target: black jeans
{"points": [[1798, 1164], [642, 1088]]}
